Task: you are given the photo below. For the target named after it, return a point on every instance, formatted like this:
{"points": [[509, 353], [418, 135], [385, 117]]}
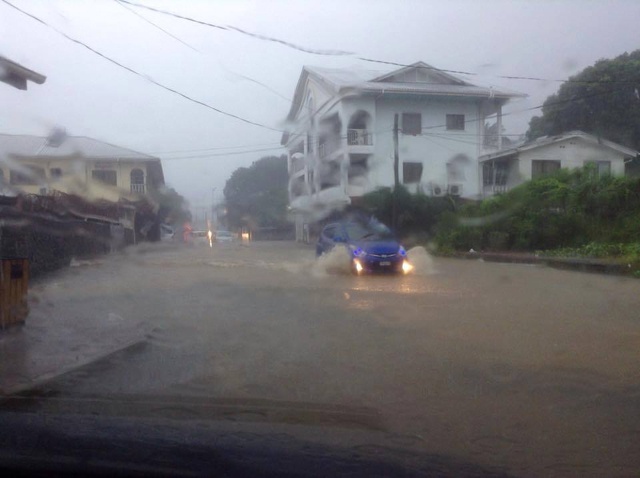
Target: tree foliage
{"points": [[602, 100], [417, 213], [257, 196], [566, 210], [172, 207]]}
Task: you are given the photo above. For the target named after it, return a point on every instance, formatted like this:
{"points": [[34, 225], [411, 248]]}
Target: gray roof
{"points": [[15, 74], [89, 148], [546, 140], [433, 82], [372, 81]]}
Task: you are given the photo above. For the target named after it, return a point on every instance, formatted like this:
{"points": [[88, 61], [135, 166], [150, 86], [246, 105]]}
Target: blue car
{"points": [[372, 246]]}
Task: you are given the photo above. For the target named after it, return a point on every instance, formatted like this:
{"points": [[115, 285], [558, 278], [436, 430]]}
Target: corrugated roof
{"points": [[546, 140], [364, 80], [89, 148]]}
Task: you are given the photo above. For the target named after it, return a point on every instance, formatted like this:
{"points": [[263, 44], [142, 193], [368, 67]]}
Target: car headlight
{"points": [[358, 252], [402, 251]]}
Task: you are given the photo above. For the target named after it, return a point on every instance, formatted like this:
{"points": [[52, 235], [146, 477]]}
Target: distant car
{"points": [[200, 237], [372, 246], [224, 236], [166, 233]]}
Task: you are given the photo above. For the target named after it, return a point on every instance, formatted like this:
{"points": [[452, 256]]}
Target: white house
{"points": [[341, 137], [507, 168]]}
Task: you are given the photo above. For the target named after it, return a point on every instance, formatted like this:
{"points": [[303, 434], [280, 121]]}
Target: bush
{"points": [[570, 209]]}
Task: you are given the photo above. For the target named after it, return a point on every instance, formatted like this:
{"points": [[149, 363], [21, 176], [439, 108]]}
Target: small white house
{"points": [[507, 168], [341, 136]]}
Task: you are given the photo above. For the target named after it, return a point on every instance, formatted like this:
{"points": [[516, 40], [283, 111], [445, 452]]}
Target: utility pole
{"points": [[396, 179]]}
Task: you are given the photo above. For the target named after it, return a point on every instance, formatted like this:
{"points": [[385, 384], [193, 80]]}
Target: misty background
{"points": [[255, 79]]}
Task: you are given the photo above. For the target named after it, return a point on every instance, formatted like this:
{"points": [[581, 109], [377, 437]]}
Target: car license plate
{"points": [[385, 263]]}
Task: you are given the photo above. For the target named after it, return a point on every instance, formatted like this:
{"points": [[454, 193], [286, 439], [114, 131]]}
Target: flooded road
{"points": [[530, 370]]}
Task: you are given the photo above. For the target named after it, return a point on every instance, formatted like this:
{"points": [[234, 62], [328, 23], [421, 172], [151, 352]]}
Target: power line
{"points": [[131, 70], [244, 32], [507, 77], [214, 149], [231, 153], [153, 24], [244, 77], [555, 103]]}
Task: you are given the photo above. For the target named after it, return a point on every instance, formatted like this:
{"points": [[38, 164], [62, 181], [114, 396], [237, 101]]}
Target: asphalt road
{"points": [[526, 369]]}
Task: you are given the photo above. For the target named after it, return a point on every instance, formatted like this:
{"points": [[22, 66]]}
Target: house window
{"points": [[30, 176], [455, 122], [411, 172], [602, 168], [411, 123], [137, 181], [106, 176], [494, 174], [55, 173], [542, 167]]}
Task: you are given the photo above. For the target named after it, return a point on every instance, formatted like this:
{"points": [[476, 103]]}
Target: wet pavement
{"points": [[524, 368]]}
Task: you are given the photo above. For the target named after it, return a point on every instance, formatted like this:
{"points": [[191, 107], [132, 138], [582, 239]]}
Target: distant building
{"points": [[16, 75], [510, 167], [76, 165], [341, 140]]}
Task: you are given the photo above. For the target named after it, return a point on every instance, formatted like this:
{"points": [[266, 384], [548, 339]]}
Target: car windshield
{"points": [[371, 232], [407, 231]]}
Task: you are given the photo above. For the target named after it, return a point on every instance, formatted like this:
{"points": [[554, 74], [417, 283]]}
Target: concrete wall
{"points": [[572, 153], [77, 176], [434, 149]]}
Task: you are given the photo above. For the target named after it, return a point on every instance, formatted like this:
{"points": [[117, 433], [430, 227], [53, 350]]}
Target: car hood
{"points": [[379, 247]]}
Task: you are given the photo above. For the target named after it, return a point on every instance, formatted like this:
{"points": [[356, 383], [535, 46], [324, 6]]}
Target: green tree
{"points": [[172, 207], [602, 99], [257, 196]]}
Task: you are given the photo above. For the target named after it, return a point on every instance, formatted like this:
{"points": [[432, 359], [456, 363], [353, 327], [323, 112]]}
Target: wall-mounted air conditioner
{"points": [[437, 190], [455, 189]]}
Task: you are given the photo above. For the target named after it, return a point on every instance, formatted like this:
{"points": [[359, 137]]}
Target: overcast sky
{"points": [[92, 97]]}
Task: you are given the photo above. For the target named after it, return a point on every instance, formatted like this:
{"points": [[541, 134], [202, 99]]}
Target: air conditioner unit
{"points": [[437, 190], [455, 189]]}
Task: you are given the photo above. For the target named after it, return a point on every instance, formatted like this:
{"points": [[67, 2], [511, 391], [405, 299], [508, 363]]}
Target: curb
{"points": [[575, 264], [37, 382]]}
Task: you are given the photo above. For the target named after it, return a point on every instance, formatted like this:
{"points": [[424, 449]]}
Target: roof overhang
{"points": [[16, 75]]}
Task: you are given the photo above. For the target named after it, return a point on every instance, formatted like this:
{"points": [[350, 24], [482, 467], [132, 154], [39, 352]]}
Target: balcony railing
{"points": [[138, 188], [359, 137]]}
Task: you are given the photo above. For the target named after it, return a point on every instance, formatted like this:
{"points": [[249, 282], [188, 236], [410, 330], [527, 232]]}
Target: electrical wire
{"points": [[371, 60], [244, 32], [147, 78], [231, 153], [153, 24], [507, 77], [215, 149]]}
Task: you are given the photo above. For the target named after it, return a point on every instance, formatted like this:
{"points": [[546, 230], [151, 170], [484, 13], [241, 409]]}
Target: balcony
{"points": [[138, 188], [359, 141], [359, 137]]}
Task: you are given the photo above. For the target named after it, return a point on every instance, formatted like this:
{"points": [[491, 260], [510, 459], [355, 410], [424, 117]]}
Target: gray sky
{"points": [[89, 96]]}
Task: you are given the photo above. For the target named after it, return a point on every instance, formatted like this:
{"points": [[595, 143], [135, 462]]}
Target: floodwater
{"points": [[526, 369]]}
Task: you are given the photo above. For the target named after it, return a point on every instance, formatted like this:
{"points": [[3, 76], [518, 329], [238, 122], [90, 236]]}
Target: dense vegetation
{"points": [[602, 99], [573, 210], [418, 214], [257, 196]]}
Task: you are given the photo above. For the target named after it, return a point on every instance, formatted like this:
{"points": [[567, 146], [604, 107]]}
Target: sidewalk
{"points": [[59, 336], [602, 266]]}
